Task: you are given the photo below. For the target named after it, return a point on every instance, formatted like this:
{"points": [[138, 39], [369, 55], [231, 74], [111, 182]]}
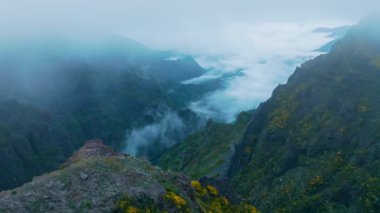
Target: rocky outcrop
{"points": [[92, 148], [97, 179]]}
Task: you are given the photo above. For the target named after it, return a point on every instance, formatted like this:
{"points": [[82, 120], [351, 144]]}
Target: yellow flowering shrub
{"points": [[318, 180], [175, 199], [213, 191], [196, 185], [250, 208], [131, 209], [224, 201]]}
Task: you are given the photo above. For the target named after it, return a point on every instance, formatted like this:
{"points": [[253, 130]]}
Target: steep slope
{"points": [[97, 179], [337, 33], [31, 147], [207, 152], [56, 93], [314, 146]]}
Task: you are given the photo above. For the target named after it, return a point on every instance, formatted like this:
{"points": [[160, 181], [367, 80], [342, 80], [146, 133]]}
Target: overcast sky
{"points": [[260, 37], [154, 16], [171, 23]]}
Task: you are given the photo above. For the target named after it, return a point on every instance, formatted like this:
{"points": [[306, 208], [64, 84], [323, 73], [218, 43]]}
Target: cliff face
{"points": [[315, 144], [97, 179], [31, 142]]}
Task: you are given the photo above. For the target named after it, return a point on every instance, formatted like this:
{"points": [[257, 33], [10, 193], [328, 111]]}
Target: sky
{"points": [[264, 40], [155, 15], [153, 21]]}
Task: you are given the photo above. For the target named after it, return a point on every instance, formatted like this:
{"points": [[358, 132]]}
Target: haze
{"points": [[265, 40]]}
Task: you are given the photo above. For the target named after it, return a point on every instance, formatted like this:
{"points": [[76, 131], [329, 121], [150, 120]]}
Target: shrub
{"points": [[250, 208], [175, 199], [196, 185], [213, 191], [131, 209], [316, 181]]}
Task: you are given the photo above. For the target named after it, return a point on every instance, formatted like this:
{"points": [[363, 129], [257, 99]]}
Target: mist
{"points": [[251, 46], [150, 139], [254, 64]]}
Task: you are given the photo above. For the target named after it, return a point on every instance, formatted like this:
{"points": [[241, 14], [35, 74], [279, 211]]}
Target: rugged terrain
{"points": [[97, 179], [314, 146], [56, 93], [206, 153]]}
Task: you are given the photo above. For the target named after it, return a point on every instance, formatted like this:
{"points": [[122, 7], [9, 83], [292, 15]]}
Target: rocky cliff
{"points": [[97, 179]]}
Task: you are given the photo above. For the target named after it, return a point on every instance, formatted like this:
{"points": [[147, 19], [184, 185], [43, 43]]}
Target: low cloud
{"points": [[265, 54], [162, 133]]}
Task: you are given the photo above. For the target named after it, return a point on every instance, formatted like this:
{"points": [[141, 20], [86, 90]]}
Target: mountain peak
{"points": [[92, 148]]}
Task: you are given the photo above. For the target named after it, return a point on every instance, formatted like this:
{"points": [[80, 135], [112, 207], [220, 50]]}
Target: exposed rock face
{"points": [[92, 148], [97, 179], [83, 175]]}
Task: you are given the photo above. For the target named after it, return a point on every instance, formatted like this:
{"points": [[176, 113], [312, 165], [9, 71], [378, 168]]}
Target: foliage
{"points": [[210, 200], [207, 152], [49, 113], [212, 190], [175, 199], [314, 145]]}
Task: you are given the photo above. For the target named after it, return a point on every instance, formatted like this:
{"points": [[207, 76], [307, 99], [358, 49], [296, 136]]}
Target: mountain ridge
{"points": [[314, 145], [97, 179], [69, 91]]}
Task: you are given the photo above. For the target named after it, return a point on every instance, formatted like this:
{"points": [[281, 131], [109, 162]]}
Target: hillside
{"points": [[97, 179], [206, 152], [314, 146], [56, 93]]}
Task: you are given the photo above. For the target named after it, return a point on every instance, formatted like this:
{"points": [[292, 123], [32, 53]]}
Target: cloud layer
{"points": [[162, 133], [265, 55]]}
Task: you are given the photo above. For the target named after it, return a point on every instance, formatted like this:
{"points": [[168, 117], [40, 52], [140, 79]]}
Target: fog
{"points": [[163, 134], [263, 57], [155, 18], [256, 43]]}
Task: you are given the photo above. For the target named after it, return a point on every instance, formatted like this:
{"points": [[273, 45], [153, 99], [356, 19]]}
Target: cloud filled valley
{"points": [[252, 60], [189, 106]]}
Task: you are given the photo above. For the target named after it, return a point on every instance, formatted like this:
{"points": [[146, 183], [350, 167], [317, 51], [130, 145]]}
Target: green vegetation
{"points": [[47, 114], [210, 200], [206, 152], [314, 145]]}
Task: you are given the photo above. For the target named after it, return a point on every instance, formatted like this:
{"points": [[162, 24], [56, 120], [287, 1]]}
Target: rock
{"points": [[83, 175], [92, 148], [116, 183]]}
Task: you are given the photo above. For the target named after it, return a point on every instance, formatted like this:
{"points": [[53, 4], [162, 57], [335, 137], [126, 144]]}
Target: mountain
{"points": [[57, 92], [336, 33], [206, 152], [314, 146], [97, 179]]}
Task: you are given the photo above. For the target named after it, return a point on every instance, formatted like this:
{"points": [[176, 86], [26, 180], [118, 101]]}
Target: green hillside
{"points": [[314, 146], [207, 152]]}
